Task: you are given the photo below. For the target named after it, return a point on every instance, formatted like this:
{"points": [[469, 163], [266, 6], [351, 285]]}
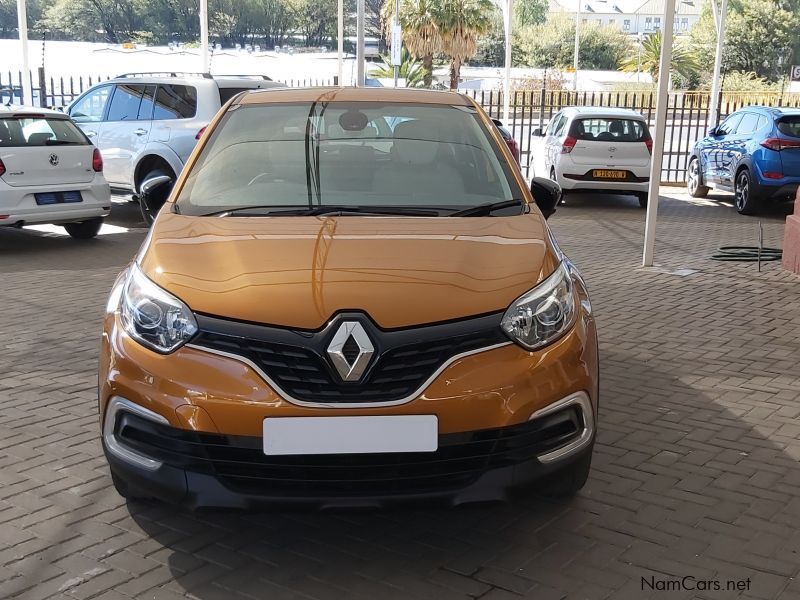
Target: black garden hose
{"points": [[747, 254]]}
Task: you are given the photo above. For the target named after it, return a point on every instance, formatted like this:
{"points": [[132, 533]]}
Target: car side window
{"points": [[148, 102], [92, 107], [175, 102], [560, 126], [552, 125], [125, 103], [748, 124], [729, 125]]}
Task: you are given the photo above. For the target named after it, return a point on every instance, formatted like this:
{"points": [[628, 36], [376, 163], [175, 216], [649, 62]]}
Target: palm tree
{"points": [[419, 20], [450, 27], [461, 22], [410, 70], [684, 61]]}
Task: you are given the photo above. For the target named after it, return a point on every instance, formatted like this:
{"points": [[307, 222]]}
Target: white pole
{"points": [[360, 79], [22, 23], [396, 23], [660, 133], [713, 109], [340, 40], [507, 79], [205, 63], [577, 45]]}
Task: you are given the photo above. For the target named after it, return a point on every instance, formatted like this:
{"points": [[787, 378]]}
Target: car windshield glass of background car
{"points": [[39, 131], [348, 154]]}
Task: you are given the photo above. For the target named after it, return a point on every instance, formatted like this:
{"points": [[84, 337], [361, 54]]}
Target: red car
{"points": [[509, 139]]}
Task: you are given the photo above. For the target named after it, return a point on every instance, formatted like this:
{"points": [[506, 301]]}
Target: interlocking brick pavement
{"points": [[696, 469]]}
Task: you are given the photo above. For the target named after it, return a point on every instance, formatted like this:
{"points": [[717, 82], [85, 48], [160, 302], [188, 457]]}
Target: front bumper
{"points": [[211, 470], [200, 431]]}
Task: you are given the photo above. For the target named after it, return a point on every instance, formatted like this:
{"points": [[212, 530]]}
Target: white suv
{"points": [[595, 149], [146, 124]]}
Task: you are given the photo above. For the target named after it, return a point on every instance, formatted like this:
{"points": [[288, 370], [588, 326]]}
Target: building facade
{"points": [[631, 16]]}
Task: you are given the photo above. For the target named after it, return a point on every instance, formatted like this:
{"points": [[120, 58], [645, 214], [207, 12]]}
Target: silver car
{"points": [[146, 124]]}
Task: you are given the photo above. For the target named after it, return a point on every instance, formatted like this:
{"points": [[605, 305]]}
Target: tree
{"points": [[553, 45], [530, 12], [119, 20], [410, 70], [684, 60], [757, 32], [461, 22], [421, 34]]}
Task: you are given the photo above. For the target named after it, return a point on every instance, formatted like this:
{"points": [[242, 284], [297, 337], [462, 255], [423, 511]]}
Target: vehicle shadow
{"points": [[683, 483], [49, 247]]}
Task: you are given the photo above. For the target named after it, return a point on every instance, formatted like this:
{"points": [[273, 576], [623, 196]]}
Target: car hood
{"points": [[299, 271]]}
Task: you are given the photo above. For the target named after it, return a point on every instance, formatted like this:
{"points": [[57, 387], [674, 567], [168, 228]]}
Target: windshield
{"points": [[39, 131], [358, 154]]}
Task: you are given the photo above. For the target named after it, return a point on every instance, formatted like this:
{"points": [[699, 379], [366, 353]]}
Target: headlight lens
{"points": [[544, 314], [152, 316]]}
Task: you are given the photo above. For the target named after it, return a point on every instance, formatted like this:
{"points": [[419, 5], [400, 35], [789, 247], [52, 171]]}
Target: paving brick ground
{"points": [[696, 472]]}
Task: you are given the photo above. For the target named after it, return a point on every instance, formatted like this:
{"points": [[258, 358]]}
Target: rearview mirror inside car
{"points": [[546, 194]]}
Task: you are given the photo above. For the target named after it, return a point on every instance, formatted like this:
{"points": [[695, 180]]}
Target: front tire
{"points": [[642, 200], [747, 201], [554, 178], [693, 185], [85, 230]]}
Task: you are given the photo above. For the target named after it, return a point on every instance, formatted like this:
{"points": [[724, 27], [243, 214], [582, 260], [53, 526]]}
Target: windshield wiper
{"points": [[62, 143], [302, 211], [487, 209]]}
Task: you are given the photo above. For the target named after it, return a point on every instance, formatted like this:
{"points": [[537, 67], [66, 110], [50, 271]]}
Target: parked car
{"points": [[595, 149], [754, 153], [50, 173], [508, 138], [146, 124], [317, 317]]}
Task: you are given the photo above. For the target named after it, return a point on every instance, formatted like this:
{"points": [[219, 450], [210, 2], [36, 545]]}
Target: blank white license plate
{"points": [[350, 435]]}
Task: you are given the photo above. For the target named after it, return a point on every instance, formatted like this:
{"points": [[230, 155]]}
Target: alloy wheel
{"points": [[742, 190], [692, 182]]}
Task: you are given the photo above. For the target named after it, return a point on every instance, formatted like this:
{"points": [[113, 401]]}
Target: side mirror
{"points": [[153, 193], [546, 194], [538, 132], [713, 132]]}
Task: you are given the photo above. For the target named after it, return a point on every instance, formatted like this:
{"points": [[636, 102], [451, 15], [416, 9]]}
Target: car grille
{"points": [[296, 361], [240, 464]]}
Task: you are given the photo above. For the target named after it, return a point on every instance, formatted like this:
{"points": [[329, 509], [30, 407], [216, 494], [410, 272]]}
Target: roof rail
{"points": [[165, 74], [221, 75]]}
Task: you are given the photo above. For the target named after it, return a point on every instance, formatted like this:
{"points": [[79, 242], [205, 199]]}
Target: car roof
{"points": [[353, 94], [775, 111], [223, 81], [602, 111], [17, 111]]}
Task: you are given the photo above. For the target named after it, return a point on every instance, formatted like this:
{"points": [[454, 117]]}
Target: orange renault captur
{"points": [[350, 297]]}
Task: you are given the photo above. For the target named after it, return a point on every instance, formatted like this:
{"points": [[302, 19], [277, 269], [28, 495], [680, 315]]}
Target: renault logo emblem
{"points": [[350, 350], [54, 159]]}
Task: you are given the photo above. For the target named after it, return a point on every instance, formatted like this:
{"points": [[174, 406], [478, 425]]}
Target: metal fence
{"points": [[687, 112], [687, 115]]}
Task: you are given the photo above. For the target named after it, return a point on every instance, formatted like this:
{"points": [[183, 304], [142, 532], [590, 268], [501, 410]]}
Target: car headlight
{"points": [[542, 315], [152, 316]]}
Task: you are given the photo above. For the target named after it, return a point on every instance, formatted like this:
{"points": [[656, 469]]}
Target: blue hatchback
{"points": [[754, 153]]}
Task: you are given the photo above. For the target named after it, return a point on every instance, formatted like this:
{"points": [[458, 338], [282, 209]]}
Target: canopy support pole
{"points": [[507, 78], [660, 133], [204, 37], [22, 24], [719, 20], [340, 40], [360, 76]]}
